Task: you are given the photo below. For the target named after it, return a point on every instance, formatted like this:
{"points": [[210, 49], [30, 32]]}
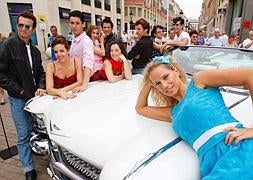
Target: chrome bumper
{"points": [[57, 165]]}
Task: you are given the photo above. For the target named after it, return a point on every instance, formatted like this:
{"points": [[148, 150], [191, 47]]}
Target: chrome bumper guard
{"points": [[69, 165]]}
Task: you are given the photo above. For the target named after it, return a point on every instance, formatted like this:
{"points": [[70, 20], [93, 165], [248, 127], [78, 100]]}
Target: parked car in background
{"points": [[98, 134]]}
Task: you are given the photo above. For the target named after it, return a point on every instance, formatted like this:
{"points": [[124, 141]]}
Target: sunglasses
{"points": [[27, 27], [159, 31]]}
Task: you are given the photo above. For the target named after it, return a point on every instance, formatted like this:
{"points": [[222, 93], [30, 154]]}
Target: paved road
{"points": [[11, 169]]}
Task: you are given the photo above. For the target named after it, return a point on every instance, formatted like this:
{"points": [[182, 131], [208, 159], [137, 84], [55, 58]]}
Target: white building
{"points": [[56, 12]]}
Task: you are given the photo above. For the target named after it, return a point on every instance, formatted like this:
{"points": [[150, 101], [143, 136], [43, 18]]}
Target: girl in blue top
{"points": [[199, 115]]}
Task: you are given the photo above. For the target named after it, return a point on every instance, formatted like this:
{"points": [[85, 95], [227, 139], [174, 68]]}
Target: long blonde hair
{"points": [[158, 98]]}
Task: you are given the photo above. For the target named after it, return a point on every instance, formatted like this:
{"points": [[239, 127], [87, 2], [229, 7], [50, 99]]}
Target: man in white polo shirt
{"points": [[181, 38]]}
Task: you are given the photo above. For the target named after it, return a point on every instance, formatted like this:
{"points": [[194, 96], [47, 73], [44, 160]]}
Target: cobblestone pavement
{"points": [[11, 169]]}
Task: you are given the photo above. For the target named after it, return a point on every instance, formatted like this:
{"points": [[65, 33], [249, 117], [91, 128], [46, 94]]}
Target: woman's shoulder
{"points": [[50, 67], [197, 80]]}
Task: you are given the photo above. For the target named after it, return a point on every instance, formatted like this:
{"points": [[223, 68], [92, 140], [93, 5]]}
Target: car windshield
{"points": [[197, 58]]}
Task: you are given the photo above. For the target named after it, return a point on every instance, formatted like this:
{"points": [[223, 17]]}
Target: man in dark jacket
{"points": [[142, 50], [107, 27], [22, 75]]}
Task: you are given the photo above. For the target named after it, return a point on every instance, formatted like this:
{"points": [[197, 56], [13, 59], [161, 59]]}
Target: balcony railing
{"points": [[98, 4], [87, 2], [107, 7]]}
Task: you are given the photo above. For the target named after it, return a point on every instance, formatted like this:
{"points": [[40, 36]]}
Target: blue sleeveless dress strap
{"points": [[200, 110]]}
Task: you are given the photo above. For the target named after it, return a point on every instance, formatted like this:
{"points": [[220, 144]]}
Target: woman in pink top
{"points": [[98, 46]]}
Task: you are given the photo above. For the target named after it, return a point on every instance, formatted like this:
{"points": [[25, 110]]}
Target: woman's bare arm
{"points": [[142, 107]]}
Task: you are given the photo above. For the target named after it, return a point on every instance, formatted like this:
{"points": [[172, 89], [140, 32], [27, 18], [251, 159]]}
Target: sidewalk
{"points": [[11, 169]]}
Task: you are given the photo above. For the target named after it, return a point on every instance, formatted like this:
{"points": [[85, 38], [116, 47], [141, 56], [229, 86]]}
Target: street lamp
{"points": [[187, 25], [181, 13], [131, 21]]}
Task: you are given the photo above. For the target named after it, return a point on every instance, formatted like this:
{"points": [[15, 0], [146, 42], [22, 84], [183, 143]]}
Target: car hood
{"points": [[99, 121]]}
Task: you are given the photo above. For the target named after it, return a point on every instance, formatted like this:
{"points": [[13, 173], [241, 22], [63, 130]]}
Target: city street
{"points": [[11, 168]]}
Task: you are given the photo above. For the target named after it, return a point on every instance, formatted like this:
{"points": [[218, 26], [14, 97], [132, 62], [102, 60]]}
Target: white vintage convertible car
{"points": [[98, 134]]}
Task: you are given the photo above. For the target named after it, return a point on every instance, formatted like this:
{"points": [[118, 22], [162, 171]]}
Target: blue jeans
{"points": [[23, 123], [137, 71]]}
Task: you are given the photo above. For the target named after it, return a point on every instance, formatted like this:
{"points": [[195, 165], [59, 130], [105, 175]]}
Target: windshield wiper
{"points": [[235, 92], [223, 89]]}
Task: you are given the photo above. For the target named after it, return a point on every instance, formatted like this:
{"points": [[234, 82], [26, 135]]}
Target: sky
{"points": [[191, 8]]}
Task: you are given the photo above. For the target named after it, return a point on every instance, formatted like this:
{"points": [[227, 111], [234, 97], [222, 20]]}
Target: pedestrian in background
{"points": [[125, 39], [231, 42], [69, 38], [248, 43], [22, 75], [171, 34], [201, 38], [216, 39], [54, 33], [194, 37]]}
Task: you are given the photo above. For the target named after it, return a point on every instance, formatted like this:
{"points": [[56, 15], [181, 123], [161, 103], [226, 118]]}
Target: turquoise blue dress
{"points": [[200, 110]]}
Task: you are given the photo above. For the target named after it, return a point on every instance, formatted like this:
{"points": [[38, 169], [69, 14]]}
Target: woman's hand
{"points": [[40, 92], [236, 135], [66, 95], [102, 39], [79, 89], [123, 58]]}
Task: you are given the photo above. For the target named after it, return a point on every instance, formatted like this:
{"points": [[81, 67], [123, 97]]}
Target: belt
{"points": [[209, 133]]}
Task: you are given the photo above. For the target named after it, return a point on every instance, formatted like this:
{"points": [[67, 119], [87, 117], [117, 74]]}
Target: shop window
{"points": [[98, 4], [87, 2]]}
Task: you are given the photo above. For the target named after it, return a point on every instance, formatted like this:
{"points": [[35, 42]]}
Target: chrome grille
{"points": [[80, 165]]}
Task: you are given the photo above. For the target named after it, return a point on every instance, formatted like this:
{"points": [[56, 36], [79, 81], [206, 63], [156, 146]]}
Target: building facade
{"points": [[231, 16], [239, 18], [213, 15], [151, 10], [56, 12], [156, 12]]}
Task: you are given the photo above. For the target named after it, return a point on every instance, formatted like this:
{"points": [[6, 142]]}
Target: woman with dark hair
{"points": [[64, 74], [115, 67]]}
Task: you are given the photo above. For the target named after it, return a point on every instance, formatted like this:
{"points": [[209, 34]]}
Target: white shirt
{"points": [[82, 47], [30, 59], [213, 41], [183, 35], [125, 38], [247, 42]]}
